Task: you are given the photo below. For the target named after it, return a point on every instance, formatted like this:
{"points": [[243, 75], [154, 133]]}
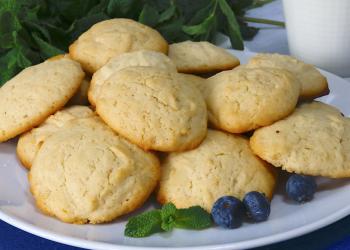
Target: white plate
{"points": [[287, 220]]}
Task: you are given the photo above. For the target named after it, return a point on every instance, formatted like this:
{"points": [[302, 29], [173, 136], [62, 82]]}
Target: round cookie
{"points": [[222, 165], [244, 99], [154, 108], [30, 142], [137, 58], [88, 174], [313, 83], [112, 37], [314, 140], [35, 93], [201, 57]]}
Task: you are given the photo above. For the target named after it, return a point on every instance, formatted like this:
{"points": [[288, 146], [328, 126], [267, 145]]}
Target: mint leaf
{"points": [[232, 25], [149, 16], [121, 8], [201, 28], [167, 14], [46, 49], [192, 218], [168, 216], [144, 224]]}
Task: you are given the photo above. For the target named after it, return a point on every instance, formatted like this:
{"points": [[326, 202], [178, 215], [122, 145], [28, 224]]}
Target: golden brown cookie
{"points": [[113, 37], [201, 57], [30, 142], [222, 165], [88, 174], [244, 99], [313, 83], [35, 93], [153, 108], [314, 140], [136, 58]]}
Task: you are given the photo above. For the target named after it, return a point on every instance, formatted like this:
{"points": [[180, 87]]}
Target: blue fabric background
{"points": [[333, 237]]}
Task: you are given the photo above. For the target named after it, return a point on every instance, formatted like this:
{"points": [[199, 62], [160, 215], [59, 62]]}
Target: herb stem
{"points": [[262, 20]]}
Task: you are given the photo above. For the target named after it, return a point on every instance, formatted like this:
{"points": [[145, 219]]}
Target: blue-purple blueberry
{"points": [[228, 212], [301, 188]]}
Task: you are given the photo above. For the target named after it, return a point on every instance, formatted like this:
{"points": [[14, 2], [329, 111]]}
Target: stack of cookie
{"points": [[92, 164]]}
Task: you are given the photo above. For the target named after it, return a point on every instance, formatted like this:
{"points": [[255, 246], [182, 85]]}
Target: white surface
{"points": [[287, 220], [269, 38], [319, 33]]}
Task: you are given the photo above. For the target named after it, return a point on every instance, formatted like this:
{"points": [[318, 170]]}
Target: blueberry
{"points": [[257, 206], [228, 212], [301, 188]]}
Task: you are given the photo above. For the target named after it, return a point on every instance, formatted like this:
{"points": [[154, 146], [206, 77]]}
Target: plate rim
{"points": [[246, 244], [72, 241]]}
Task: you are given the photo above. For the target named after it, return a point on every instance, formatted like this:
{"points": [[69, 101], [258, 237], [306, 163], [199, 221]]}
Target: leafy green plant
{"points": [[34, 30]]}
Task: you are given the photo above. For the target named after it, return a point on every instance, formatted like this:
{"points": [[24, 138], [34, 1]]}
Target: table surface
{"points": [[335, 236]]}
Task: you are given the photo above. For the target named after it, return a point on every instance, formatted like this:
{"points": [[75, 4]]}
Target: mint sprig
{"points": [[167, 218], [144, 224]]}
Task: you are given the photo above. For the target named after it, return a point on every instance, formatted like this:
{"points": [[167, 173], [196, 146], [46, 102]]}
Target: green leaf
{"points": [[144, 224], [46, 49], [172, 31], [201, 28], [188, 9], [8, 64], [99, 8], [210, 33], [73, 9], [22, 60], [167, 14], [168, 216], [120, 8], [8, 22], [38, 28], [192, 218], [6, 41], [202, 13], [83, 24], [232, 25], [149, 16]]}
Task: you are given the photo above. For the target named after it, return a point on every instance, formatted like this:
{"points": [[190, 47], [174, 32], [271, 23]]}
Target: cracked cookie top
{"points": [[314, 140], [30, 142], [113, 37], [88, 174], [222, 165], [244, 99], [153, 108]]}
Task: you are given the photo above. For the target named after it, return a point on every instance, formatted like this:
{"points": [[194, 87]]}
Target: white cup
{"points": [[319, 33]]}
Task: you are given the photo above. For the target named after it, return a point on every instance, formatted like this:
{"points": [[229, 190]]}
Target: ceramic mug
{"points": [[319, 33]]}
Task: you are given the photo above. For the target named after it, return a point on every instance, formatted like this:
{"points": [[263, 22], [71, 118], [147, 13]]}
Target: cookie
{"points": [[153, 108], [314, 140], [81, 96], [88, 174], [222, 165], [29, 143], [112, 37], [35, 93], [244, 99], [136, 58], [197, 81], [313, 83], [201, 57]]}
